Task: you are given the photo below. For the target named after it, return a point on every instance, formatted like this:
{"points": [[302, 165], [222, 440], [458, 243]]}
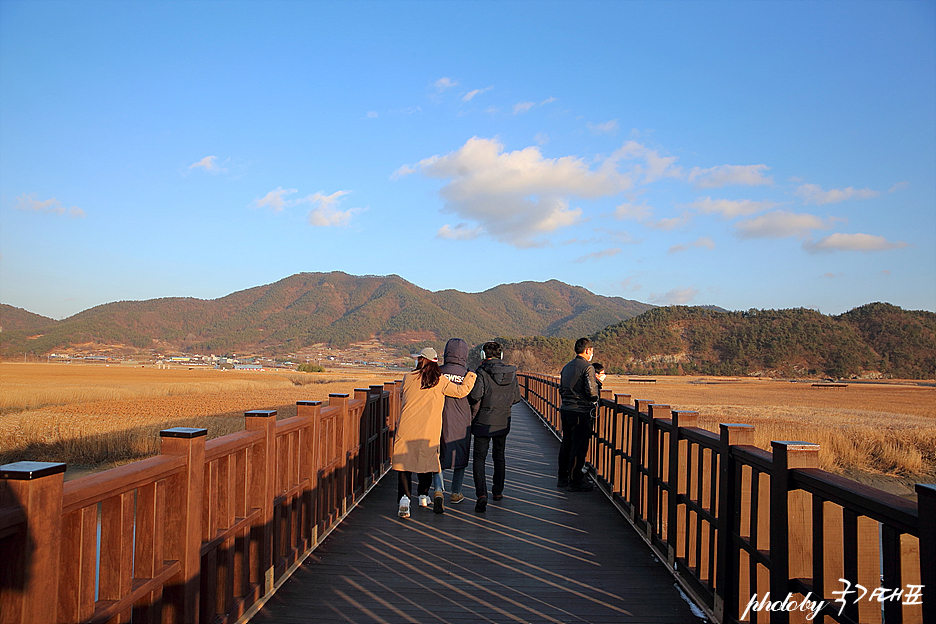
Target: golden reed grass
{"points": [[90, 414], [878, 428]]}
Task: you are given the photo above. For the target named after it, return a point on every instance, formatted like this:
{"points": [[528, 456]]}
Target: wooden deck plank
{"points": [[539, 555]]}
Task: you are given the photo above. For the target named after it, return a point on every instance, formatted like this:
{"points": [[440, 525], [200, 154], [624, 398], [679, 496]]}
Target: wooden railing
{"points": [[738, 525], [203, 532]]}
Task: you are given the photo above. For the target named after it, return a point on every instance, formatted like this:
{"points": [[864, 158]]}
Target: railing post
{"points": [[618, 440], [636, 453], [32, 572], [361, 440], [393, 402], [261, 494], [340, 401], [926, 511], [727, 562], [378, 459], [309, 464], [654, 468], [790, 537], [183, 534], [678, 460]]}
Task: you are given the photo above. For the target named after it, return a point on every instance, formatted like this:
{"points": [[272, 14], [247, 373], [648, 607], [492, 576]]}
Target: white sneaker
{"points": [[404, 507], [423, 500]]}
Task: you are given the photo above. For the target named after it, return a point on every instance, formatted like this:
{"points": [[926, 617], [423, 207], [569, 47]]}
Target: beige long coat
{"points": [[419, 432]]}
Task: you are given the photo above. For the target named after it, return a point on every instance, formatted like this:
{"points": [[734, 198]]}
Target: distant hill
{"points": [[18, 319], [875, 339], [334, 308]]}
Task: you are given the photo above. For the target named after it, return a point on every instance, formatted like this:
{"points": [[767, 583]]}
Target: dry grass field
{"points": [[865, 430], [97, 415]]}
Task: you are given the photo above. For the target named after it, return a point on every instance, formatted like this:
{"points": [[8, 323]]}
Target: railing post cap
{"points": [[926, 489], [259, 413], [312, 403], [29, 470], [183, 432], [746, 426], [795, 445], [338, 395]]}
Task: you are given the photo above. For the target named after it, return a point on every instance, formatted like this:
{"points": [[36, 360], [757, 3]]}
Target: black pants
{"points": [[405, 484], [481, 444], [576, 433]]}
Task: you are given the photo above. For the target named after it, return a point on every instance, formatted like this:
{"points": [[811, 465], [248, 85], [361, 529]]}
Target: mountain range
{"points": [[311, 308]]}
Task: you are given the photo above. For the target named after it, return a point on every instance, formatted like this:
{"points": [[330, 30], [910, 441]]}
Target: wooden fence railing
{"points": [[742, 528], [201, 533]]}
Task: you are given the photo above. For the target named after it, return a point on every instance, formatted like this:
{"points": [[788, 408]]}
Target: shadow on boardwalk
{"points": [[539, 555]]}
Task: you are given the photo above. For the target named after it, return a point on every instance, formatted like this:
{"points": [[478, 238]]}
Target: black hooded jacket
{"points": [[494, 392], [456, 415]]}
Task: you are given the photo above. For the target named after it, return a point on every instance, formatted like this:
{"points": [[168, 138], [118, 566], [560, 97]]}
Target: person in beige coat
{"points": [[419, 430]]}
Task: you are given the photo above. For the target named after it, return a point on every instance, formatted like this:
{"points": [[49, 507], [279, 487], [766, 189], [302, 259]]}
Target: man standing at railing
{"points": [[578, 389]]}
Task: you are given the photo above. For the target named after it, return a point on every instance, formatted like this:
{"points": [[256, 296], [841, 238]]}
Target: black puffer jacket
{"points": [[494, 392], [578, 386], [456, 415]]}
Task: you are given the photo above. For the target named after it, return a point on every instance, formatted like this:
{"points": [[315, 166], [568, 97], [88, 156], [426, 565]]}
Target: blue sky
{"points": [[740, 154]]}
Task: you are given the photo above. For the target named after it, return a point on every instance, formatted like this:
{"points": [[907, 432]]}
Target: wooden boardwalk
{"points": [[539, 555]]}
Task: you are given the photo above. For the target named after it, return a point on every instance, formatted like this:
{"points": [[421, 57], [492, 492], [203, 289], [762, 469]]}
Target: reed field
{"points": [[869, 428], [105, 415]]}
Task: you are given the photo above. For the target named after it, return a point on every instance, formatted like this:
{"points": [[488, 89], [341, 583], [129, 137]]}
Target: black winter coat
{"points": [[578, 386], [456, 415], [494, 392]]}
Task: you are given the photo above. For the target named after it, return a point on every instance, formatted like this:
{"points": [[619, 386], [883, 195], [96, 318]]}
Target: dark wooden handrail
{"points": [[203, 532], [734, 521]]}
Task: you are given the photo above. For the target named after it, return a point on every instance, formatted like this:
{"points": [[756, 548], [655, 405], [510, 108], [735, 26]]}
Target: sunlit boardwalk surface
{"points": [[539, 555]]}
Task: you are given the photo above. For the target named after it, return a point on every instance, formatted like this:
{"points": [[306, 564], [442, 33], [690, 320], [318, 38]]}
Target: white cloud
{"points": [[781, 224], [520, 195], [635, 212], [731, 208], [471, 94], [628, 284], [670, 223], [522, 107], [324, 212], [275, 199], [677, 296], [703, 242], [851, 242], [655, 167], [609, 127], [598, 255], [209, 164], [727, 175], [900, 186], [814, 194], [372, 114], [47, 206], [460, 232], [444, 83]]}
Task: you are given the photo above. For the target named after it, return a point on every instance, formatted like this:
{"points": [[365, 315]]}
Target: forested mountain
{"points": [[877, 338], [541, 320], [334, 308]]}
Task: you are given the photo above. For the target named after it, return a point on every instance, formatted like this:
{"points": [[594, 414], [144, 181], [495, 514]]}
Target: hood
{"points": [[456, 352], [502, 374]]}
